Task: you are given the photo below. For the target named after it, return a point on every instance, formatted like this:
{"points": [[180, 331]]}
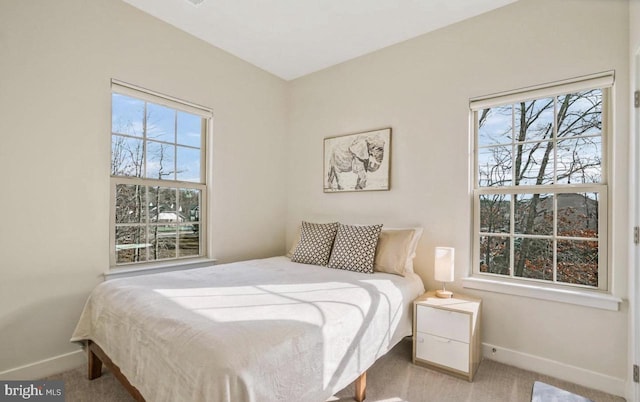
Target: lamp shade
{"points": [[443, 271]]}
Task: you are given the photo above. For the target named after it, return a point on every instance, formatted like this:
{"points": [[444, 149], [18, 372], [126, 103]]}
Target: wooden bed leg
{"points": [[361, 387], [97, 357], [94, 363]]}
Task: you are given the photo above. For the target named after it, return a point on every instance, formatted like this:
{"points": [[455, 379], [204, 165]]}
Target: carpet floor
{"points": [[391, 379]]}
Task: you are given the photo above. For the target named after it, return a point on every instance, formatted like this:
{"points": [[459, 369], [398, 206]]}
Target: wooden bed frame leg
{"points": [[94, 363], [361, 387], [97, 357]]}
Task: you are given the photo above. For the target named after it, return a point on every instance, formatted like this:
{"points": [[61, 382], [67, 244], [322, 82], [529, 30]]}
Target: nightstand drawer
{"points": [[443, 323], [442, 351]]}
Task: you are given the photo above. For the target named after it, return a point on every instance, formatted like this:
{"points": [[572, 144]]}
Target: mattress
{"points": [[258, 330]]}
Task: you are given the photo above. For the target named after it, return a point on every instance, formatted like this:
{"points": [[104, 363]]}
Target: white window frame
{"points": [[544, 289], [203, 186]]}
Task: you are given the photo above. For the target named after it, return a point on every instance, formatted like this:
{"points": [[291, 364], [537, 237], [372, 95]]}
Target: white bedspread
{"points": [[260, 330]]}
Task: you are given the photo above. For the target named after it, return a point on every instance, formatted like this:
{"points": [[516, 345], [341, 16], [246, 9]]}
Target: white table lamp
{"points": [[443, 271]]}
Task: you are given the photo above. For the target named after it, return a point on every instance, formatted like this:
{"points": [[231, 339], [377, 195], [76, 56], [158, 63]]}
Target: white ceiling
{"points": [[292, 38]]}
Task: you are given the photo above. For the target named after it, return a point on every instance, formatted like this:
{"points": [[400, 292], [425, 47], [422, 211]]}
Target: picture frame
{"points": [[357, 162]]}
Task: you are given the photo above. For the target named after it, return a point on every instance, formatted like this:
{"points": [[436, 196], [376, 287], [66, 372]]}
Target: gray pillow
{"points": [[355, 248], [316, 240]]}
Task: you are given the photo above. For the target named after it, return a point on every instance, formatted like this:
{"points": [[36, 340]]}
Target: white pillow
{"points": [[417, 234], [396, 250], [296, 240]]}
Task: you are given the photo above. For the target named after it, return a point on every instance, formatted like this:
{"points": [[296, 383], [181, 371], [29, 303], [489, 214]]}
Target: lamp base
{"points": [[444, 294]]}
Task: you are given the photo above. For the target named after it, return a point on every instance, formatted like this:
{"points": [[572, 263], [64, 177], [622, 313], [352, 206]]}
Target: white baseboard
{"points": [[46, 367], [576, 375]]}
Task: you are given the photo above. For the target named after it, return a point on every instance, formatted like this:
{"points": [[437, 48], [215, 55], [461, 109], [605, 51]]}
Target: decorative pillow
{"points": [[316, 240], [355, 248], [393, 250], [396, 250], [294, 245], [417, 233]]}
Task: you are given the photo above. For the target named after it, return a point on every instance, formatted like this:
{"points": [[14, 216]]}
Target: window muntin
{"points": [[540, 188], [157, 177]]}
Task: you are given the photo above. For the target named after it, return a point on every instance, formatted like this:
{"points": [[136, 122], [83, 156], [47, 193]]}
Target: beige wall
{"points": [[634, 25], [421, 88], [56, 62], [634, 148]]}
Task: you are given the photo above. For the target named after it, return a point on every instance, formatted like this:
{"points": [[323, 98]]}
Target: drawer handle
{"points": [[420, 340]]}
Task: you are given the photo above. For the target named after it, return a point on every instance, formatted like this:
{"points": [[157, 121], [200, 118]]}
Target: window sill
{"points": [[570, 296], [155, 268]]}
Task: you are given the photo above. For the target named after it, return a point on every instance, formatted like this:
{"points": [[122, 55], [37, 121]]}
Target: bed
{"points": [[258, 330]]}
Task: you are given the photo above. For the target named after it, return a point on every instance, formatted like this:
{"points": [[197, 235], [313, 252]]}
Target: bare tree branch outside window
{"points": [[533, 159]]}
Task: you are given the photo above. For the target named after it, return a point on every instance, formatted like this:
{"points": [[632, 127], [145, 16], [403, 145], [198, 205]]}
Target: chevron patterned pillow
{"points": [[316, 240], [355, 248]]}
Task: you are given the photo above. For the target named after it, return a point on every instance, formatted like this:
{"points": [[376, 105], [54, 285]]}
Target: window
{"points": [[540, 191], [158, 177]]}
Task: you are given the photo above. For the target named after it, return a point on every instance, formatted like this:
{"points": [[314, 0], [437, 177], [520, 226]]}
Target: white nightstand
{"points": [[446, 333]]}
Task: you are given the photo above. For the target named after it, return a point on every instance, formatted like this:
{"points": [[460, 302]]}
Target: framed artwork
{"points": [[357, 162]]}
